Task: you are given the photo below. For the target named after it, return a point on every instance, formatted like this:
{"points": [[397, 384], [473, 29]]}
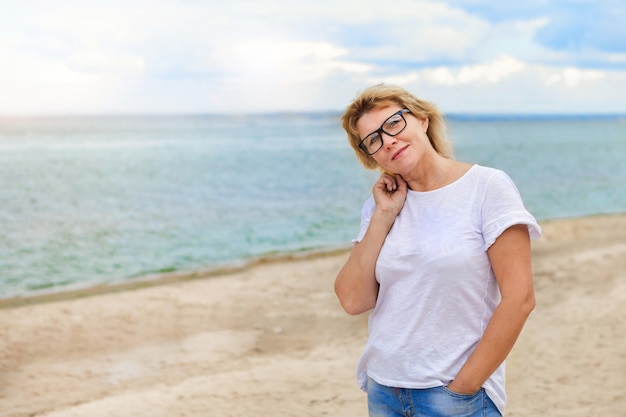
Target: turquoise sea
{"points": [[96, 200]]}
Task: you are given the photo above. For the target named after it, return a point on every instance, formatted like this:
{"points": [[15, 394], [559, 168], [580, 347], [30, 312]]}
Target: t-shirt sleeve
{"points": [[502, 208], [366, 215]]}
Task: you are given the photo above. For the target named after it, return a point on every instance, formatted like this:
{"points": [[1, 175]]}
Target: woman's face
{"points": [[401, 153]]}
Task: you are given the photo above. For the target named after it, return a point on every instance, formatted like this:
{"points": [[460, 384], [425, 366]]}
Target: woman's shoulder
{"points": [[484, 170], [486, 173]]}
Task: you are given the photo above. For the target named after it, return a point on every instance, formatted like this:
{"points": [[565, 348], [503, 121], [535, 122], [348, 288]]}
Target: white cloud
{"points": [[615, 58], [241, 55], [290, 61], [489, 73], [572, 77]]}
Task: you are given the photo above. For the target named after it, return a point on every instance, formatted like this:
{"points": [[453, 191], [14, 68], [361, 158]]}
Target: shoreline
{"points": [[271, 338], [167, 278], [149, 280]]}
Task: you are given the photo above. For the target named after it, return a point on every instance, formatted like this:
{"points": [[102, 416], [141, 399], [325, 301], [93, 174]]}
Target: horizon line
{"points": [[447, 115]]}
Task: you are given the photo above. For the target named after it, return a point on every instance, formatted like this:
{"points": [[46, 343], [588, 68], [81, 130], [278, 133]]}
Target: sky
{"points": [[265, 56]]}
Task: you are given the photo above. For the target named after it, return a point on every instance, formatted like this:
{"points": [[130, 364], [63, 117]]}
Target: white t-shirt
{"points": [[437, 290]]}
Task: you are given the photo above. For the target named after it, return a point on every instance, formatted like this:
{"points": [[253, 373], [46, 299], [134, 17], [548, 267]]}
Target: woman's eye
{"points": [[373, 140], [392, 123]]}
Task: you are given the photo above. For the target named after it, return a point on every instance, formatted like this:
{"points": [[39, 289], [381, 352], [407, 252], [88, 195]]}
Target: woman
{"points": [[442, 258]]}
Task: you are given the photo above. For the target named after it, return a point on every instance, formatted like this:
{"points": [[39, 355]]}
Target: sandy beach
{"points": [[271, 340]]}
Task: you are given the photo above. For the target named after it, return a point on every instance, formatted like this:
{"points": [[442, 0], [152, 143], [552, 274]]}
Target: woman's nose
{"points": [[388, 140]]}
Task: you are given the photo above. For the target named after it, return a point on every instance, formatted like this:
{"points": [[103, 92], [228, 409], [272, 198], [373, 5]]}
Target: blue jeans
{"points": [[385, 401]]}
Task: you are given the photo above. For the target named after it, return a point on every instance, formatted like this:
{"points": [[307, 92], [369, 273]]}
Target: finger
{"points": [[391, 185], [383, 184], [402, 184], [390, 182]]}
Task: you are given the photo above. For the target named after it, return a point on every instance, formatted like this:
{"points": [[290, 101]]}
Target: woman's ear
{"points": [[425, 123]]}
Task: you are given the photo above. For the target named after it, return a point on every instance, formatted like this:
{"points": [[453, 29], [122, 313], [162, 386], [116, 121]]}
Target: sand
{"points": [[272, 340]]}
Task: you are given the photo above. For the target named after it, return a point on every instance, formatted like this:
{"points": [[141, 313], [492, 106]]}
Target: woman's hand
{"points": [[390, 194], [455, 387]]}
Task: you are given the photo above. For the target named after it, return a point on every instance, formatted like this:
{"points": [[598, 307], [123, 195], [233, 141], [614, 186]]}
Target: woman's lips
{"points": [[397, 154]]}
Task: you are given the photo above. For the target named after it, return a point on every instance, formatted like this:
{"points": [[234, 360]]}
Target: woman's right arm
{"points": [[356, 285]]}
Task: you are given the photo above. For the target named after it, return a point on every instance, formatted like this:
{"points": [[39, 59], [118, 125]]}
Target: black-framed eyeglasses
{"points": [[392, 126]]}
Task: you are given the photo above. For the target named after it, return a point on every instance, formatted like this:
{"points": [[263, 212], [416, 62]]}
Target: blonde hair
{"points": [[381, 95]]}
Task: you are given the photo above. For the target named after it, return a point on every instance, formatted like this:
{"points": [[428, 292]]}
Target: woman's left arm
{"points": [[511, 264]]}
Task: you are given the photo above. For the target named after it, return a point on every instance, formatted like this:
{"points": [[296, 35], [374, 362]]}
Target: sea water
{"points": [[96, 200]]}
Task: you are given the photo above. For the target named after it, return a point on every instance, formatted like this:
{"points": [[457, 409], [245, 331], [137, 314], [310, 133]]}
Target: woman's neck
{"points": [[434, 173]]}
